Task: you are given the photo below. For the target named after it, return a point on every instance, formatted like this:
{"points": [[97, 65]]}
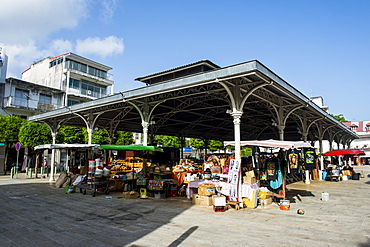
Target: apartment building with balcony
{"points": [[52, 83], [19, 97], [79, 78]]}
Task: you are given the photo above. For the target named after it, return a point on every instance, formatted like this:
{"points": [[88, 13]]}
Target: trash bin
{"points": [[355, 176]]}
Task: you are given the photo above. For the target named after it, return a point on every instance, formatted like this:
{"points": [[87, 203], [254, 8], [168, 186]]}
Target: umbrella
{"points": [[344, 152]]}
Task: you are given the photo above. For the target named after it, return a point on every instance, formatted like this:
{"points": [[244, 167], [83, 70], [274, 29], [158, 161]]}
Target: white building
{"points": [[52, 83], [3, 64], [362, 129], [79, 78]]}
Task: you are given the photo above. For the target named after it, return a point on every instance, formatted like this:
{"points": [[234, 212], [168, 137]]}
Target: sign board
{"points": [[17, 146]]}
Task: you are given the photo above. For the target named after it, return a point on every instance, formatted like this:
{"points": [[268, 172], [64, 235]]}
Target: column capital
{"points": [[145, 124], [236, 114]]}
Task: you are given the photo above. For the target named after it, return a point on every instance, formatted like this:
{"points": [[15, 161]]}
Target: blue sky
{"points": [[319, 47]]}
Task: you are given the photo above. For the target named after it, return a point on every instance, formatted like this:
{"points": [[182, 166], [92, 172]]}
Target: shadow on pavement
{"points": [[41, 215], [294, 194]]}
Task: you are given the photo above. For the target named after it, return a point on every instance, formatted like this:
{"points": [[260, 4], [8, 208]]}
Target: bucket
{"points": [[284, 204], [344, 177], [98, 173], [106, 172], [324, 197], [91, 163]]}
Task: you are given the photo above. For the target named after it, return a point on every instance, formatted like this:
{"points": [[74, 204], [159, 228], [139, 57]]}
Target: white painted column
{"points": [[237, 115], [145, 132], [89, 135], [52, 161], [321, 159]]}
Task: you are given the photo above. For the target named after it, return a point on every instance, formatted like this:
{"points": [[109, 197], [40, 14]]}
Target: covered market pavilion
{"points": [[245, 101]]}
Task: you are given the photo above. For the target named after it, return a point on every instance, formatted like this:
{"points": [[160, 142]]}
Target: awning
{"points": [[131, 147], [344, 152], [65, 146], [272, 143]]}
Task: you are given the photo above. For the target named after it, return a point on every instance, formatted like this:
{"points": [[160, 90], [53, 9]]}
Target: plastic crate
{"points": [[219, 208]]}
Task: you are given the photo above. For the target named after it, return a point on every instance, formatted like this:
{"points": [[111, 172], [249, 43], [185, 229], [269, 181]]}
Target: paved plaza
{"points": [[35, 213]]}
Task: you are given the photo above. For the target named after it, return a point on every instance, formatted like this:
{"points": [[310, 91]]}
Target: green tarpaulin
{"points": [[131, 147]]}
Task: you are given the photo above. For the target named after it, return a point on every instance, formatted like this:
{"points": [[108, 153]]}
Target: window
{"points": [[92, 89], [45, 99], [86, 69], [21, 97], [55, 62], [73, 83]]}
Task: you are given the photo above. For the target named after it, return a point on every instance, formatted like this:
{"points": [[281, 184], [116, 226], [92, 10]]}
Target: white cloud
{"points": [[26, 29], [109, 46], [107, 12], [21, 56], [60, 46], [23, 20]]}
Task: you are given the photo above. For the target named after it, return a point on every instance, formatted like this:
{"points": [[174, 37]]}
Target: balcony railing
{"points": [[28, 104], [107, 80]]}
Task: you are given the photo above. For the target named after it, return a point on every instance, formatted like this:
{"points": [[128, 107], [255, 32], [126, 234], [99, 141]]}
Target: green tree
{"points": [[215, 145], [70, 134], [99, 136], [9, 130], [123, 138], [34, 134], [168, 141], [197, 143], [340, 118]]}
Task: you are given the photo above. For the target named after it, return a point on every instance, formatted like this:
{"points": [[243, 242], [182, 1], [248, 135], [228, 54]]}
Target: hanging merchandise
{"points": [[271, 166], [278, 182], [292, 156], [310, 159], [256, 158]]}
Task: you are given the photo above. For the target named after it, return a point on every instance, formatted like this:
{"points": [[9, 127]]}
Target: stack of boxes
{"points": [[207, 197], [250, 179], [204, 196]]}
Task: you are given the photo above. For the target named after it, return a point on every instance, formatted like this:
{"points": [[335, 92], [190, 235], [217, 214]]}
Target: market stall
{"points": [[76, 156], [267, 166], [342, 169]]}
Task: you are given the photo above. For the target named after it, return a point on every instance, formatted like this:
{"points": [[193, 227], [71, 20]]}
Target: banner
{"points": [[233, 179]]}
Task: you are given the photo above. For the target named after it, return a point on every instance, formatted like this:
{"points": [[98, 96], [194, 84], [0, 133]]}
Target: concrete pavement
{"points": [[35, 213]]}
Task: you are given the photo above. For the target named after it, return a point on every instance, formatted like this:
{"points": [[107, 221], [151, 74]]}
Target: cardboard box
{"points": [[206, 189], [346, 172], [218, 200], [267, 201], [249, 180], [130, 194], [202, 200]]}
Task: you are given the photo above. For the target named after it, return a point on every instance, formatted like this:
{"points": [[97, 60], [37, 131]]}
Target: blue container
{"points": [[324, 173]]}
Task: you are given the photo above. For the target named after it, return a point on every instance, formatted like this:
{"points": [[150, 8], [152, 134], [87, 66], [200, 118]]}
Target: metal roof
{"points": [[197, 105]]}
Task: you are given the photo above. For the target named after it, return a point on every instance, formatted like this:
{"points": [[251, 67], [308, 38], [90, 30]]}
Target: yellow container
{"points": [[250, 203], [262, 195], [142, 192]]}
